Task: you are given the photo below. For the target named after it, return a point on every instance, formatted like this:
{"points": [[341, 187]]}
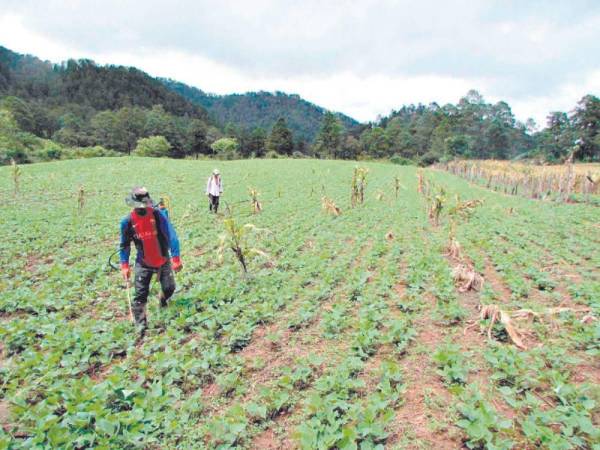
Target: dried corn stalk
{"points": [[436, 205], [506, 319], [330, 207], [562, 309], [420, 184], [454, 249], [535, 181], [236, 238], [16, 175], [80, 198], [359, 181], [256, 205], [464, 209], [467, 278], [495, 314]]}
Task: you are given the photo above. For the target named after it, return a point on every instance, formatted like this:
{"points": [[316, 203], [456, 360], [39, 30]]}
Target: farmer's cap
{"points": [[139, 198], [216, 172]]}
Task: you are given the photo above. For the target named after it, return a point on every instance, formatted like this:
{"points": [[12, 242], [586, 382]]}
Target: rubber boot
{"points": [[141, 321], [163, 301]]}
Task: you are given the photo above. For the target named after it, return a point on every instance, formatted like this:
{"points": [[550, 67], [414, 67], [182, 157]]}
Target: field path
{"points": [[426, 398]]}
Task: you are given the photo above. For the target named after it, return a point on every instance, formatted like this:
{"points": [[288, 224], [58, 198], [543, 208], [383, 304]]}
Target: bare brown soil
{"points": [[210, 391], [274, 354], [473, 339], [426, 399], [587, 372], [267, 440], [363, 251], [4, 414], [33, 261], [8, 316], [494, 279]]}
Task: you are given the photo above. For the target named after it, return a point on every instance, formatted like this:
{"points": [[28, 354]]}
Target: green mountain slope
{"points": [[261, 109], [88, 85], [81, 104]]}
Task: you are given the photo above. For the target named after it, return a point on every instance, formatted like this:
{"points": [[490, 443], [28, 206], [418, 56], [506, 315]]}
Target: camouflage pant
{"points": [[143, 276]]}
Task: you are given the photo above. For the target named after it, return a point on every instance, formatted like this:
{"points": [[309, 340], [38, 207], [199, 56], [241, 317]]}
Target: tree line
{"points": [[471, 129], [420, 134], [425, 134], [79, 108]]}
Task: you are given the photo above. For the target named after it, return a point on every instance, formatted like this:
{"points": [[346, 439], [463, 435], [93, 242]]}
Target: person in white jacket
{"points": [[214, 189]]}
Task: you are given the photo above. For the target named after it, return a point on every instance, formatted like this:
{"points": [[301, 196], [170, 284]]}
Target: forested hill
{"points": [[261, 110], [50, 111], [474, 128], [87, 85]]}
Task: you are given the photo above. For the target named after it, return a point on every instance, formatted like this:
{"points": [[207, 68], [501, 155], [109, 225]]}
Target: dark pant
{"points": [[143, 276], [213, 202]]}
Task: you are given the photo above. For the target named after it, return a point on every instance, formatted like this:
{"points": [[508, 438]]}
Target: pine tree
{"points": [[586, 122], [257, 142], [330, 137], [281, 139]]}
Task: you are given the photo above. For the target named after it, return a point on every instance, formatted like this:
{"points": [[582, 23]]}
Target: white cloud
{"points": [[366, 97], [360, 97], [564, 99], [15, 36], [362, 59]]}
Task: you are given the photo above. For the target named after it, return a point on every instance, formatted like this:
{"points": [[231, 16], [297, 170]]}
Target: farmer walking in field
{"points": [[214, 189], [157, 248]]}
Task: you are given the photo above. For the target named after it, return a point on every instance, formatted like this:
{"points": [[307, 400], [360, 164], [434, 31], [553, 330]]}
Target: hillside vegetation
{"points": [[48, 111], [79, 108], [85, 85], [261, 110], [384, 306]]}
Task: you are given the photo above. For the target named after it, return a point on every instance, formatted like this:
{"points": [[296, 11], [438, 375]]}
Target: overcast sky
{"points": [[362, 57]]}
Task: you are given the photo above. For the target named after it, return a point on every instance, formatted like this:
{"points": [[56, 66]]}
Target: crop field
{"points": [[565, 182], [434, 313]]}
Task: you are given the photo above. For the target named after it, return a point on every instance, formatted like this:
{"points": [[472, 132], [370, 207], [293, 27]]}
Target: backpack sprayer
{"points": [[163, 203]]}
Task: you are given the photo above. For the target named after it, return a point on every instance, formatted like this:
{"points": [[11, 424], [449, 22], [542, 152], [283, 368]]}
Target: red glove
{"points": [[125, 270], [176, 263]]}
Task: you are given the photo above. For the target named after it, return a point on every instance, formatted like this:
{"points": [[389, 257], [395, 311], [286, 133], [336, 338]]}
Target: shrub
{"points": [[7, 154], [364, 157], [225, 148], [25, 147], [152, 146], [272, 154], [428, 159], [401, 160], [48, 151], [11, 144], [87, 152]]}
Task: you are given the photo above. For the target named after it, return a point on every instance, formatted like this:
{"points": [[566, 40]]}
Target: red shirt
{"points": [[145, 230]]}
